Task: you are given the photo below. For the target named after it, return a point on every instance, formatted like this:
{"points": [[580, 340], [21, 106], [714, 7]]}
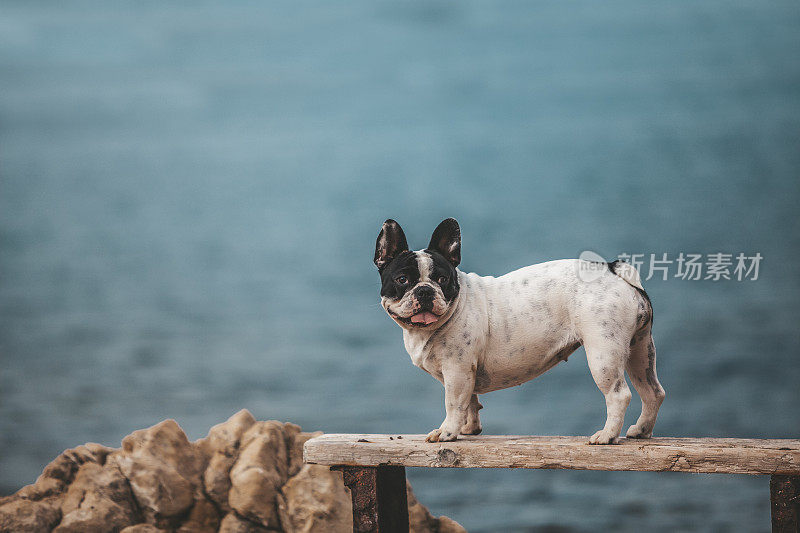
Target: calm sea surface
{"points": [[190, 195]]}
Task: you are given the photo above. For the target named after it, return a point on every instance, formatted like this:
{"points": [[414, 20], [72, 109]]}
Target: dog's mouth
{"points": [[420, 319]]}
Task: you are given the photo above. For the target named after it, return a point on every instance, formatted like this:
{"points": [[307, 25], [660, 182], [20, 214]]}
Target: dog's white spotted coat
{"points": [[501, 332]]}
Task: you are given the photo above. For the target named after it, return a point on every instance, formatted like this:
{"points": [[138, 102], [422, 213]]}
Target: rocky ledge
{"points": [[245, 476]]}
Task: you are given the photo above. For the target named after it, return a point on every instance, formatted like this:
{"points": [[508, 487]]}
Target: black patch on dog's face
{"points": [[400, 275], [444, 274]]}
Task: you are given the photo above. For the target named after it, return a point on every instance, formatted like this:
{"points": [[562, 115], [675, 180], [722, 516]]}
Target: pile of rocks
{"points": [[245, 476]]}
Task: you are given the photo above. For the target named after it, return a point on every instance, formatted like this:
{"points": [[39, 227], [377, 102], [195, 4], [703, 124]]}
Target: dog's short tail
{"points": [[626, 272], [631, 276]]}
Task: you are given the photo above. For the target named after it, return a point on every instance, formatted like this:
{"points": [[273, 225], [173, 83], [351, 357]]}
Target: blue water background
{"points": [[190, 194]]}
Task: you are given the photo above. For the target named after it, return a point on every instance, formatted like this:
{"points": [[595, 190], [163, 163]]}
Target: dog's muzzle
{"points": [[424, 294]]}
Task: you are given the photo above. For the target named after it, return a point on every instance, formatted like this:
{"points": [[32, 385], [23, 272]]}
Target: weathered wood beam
{"points": [[698, 455]]}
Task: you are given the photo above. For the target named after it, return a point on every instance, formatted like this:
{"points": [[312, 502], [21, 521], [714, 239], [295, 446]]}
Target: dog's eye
{"points": [[442, 280], [402, 280]]}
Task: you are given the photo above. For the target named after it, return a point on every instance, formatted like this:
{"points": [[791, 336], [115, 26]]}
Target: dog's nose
{"points": [[424, 293]]}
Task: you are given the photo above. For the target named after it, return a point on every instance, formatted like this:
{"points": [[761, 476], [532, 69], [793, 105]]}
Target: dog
{"points": [[477, 334]]}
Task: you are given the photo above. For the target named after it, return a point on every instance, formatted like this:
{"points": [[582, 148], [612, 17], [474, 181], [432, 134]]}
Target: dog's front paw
{"points": [[637, 432], [433, 436], [603, 437], [440, 435]]}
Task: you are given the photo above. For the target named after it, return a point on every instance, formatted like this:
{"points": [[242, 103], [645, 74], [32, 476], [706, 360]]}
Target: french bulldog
{"points": [[477, 334]]}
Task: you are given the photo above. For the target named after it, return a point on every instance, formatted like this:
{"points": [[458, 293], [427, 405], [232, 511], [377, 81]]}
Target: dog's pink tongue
{"points": [[425, 317]]}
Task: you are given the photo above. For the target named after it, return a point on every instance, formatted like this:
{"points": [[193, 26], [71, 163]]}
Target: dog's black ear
{"points": [[391, 243], [446, 240]]}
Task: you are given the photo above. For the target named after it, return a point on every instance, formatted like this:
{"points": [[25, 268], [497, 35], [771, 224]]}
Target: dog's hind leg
{"points": [[606, 358], [641, 368], [473, 425]]}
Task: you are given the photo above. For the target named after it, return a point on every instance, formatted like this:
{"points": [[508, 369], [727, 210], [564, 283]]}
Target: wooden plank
{"points": [[380, 503], [785, 502], [663, 454]]}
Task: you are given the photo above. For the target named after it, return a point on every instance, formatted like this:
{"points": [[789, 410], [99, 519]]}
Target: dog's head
{"points": [[417, 288]]}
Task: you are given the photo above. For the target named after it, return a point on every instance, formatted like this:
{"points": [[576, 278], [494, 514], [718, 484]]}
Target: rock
{"points": [[448, 525], [162, 493], [291, 433], [244, 477], [167, 443], [203, 518], [43, 488], [142, 528], [37, 507], [260, 470], [23, 516], [61, 471], [235, 524], [296, 451], [164, 470], [315, 500], [98, 500], [225, 437], [222, 447], [217, 480]]}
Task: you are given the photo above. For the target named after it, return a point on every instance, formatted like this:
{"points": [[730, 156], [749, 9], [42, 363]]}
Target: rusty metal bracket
{"points": [[380, 503], [784, 493]]}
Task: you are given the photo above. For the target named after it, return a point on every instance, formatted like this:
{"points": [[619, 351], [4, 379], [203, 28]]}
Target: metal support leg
{"points": [[784, 492], [380, 504]]}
